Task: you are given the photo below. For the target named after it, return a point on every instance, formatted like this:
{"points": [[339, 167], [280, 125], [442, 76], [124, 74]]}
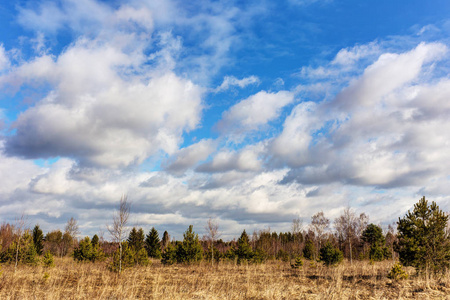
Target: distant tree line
{"points": [[422, 241]]}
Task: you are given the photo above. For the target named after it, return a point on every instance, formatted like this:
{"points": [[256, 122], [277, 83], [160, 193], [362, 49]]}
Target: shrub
{"points": [[26, 253], [88, 251], [141, 258], [117, 264], [47, 260], [309, 250], [330, 255], [282, 255], [259, 256], [217, 254], [298, 263], [169, 256], [190, 250], [84, 250], [397, 273]]}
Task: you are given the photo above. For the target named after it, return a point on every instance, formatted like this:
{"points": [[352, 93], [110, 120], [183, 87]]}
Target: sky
{"points": [[252, 113]]}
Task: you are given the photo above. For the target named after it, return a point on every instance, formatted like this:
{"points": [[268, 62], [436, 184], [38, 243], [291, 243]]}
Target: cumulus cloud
{"points": [[188, 157], [124, 92], [117, 127], [254, 112], [381, 131], [244, 160], [104, 107], [389, 72]]}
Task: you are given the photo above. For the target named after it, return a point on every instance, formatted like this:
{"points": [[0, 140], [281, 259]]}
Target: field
{"points": [[272, 280]]}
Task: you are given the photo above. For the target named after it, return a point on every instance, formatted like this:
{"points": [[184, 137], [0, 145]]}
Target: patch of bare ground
{"points": [[272, 280]]}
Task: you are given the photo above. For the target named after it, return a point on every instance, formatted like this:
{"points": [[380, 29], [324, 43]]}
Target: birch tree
{"points": [[118, 229]]}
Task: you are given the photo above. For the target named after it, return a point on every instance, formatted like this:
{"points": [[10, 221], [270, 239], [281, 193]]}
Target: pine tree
{"points": [[373, 235], [169, 256], [422, 240], [153, 244], [47, 260], [243, 251], [165, 240], [330, 255], [22, 250], [38, 239], [309, 250], [136, 239], [141, 258], [88, 251], [190, 250], [95, 240], [123, 257], [84, 250]]}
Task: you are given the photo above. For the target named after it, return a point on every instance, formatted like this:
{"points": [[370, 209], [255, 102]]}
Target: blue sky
{"points": [[250, 112]]}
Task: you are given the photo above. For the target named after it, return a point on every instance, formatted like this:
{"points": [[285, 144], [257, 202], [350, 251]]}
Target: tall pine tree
{"points": [[38, 239], [153, 244], [244, 251], [422, 240], [136, 239], [190, 250]]}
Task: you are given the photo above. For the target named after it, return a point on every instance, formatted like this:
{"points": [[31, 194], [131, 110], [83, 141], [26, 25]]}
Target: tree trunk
{"points": [[17, 255], [350, 245], [120, 257]]}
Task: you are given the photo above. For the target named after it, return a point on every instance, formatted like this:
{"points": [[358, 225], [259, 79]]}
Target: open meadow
{"points": [[270, 280]]}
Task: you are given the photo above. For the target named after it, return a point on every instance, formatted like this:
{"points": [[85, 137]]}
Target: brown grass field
{"points": [[272, 280]]}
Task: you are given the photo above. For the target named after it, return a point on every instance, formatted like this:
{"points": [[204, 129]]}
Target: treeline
{"points": [[422, 241]]}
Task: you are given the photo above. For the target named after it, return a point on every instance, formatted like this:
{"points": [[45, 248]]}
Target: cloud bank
{"points": [[129, 105]]}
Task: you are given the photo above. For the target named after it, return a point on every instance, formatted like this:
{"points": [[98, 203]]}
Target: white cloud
{"points": [[230, 81], [381, 131], [4, 60], [247, 159], [349, 56], [111, 110], [188, 157], [254, 112], [15, 174], [293, 144], [55, 180], [389, 72]]}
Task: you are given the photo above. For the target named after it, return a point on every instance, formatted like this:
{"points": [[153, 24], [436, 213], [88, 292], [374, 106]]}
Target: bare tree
{"points": [[319, 225], [212, 234], [118, 228], [72, 230], [19, 228], [345, 226], [297, 228], [350, 227]]}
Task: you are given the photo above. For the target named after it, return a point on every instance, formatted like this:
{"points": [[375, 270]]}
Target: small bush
{"points": [[169, 256], [298, 263], [46, 277], [47, 260], [127, 259], [309, 250], [397, 273], [141, 258], [330, 255], [282, 255]]}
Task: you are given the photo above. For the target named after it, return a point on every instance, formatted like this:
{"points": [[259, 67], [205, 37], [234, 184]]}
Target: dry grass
{"points": [[273, 280]]}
